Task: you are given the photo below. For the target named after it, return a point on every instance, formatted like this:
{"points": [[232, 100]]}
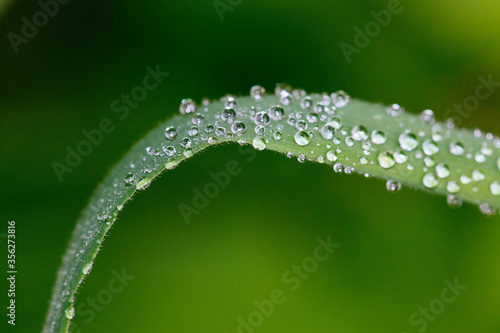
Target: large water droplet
{"points": [[306, 102], [427, 117], [408, 141], [302, 138], [386, 160], [442, 170], [400, 157], [331, 156], [228, 115], [392, 185], [395, 110], [328, 131], [430, 180], [452, 187], [70, 312], [478, 175], [457, 148], [198, 119], [169, 151], [430, 148], [495, 188], [238, 128], [359, 133], [257, 92], [262, 118], [187, 106], [276, 113], [259, 143], [340, 99], [170, 133], [378, 137]]}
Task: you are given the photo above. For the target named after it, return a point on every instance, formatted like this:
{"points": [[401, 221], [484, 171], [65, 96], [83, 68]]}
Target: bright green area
{"points": [[396, 249]]}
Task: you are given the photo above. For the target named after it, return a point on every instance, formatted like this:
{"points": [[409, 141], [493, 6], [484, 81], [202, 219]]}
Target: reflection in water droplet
{"points": [[378, 137], [302, 138], [259, 143], [386, 160], [408, 141]]}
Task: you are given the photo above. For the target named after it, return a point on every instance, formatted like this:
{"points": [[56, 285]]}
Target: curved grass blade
{"points": [[348, 135]]}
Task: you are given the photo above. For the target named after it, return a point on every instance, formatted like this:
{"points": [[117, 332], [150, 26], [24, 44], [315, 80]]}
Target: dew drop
{"points": [[348, 170], [328, 131], [378, 137], [312, 117], [87, 268], [430, 148], [130, 178], [277, 135], [70, 312], [238, 128], [262, 118], [427, 117], [170, 133], [452, 187], [386, 160], [302, 138], [259, 143], [257, 92], [400, 157], [495, 188], [395, 110], [359, 133], [186, 143], [331, 156], [335, 123], [227, 115], [453, 201], [392, 185], [442, 170], [430, 180], [301, 158], [301, 125], [340, 99], [485, 209], [230, 102], [349, 141], [338, 167], [276, 113], [457, 148], [198, 119], [306, 102], [187, 106], [478, 175], [193, 131], [408, 141]]}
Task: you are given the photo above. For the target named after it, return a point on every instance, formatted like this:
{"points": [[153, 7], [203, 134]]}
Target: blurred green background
{"points": [[396, 249]]}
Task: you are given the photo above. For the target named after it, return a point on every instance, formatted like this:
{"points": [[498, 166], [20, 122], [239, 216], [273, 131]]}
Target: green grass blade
{"points": [[348, 136]]}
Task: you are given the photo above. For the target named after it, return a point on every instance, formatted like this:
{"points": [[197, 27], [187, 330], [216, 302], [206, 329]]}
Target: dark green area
{"points": [[396, 249]]}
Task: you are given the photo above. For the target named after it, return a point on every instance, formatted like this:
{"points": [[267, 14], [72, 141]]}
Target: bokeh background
{"points": [[396, 249]]}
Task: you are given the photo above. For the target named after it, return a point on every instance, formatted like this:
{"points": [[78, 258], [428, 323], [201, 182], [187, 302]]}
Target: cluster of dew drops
{"points": [[319, 113]]}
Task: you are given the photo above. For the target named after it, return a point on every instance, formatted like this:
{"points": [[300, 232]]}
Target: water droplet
{"points": [[301, 158], [331, 156], [478, 175], [479, 158], [348, 170], [428, 117], [227, 115], [453, 201], [408, 141], [442, 170], [485, 209], [143, 184], [306, 102], [378, 137], [430, 148], [359, 133], [495, 188], [193, 131], [209, 128], [349, 141], [328, 131], [457, 148], [301, 125], [238, 128], [277, 136], [302, 138], [286, 98], [429, 161], [230, 102], [395, 110], [87, 268], [197, 119], [400, 157], [130, 178], [187, 153], [170, 133], [276, 113], [386, 160], [498, 164], [312, 117], [257, 92], [186, 143], [338, 167], [392, 185], [169, 151], [465, 180], [187, 106], [259, 143], [430, 180], [335, 123], [262, 118], [452, 187], [70, 312], [340, 99]]}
